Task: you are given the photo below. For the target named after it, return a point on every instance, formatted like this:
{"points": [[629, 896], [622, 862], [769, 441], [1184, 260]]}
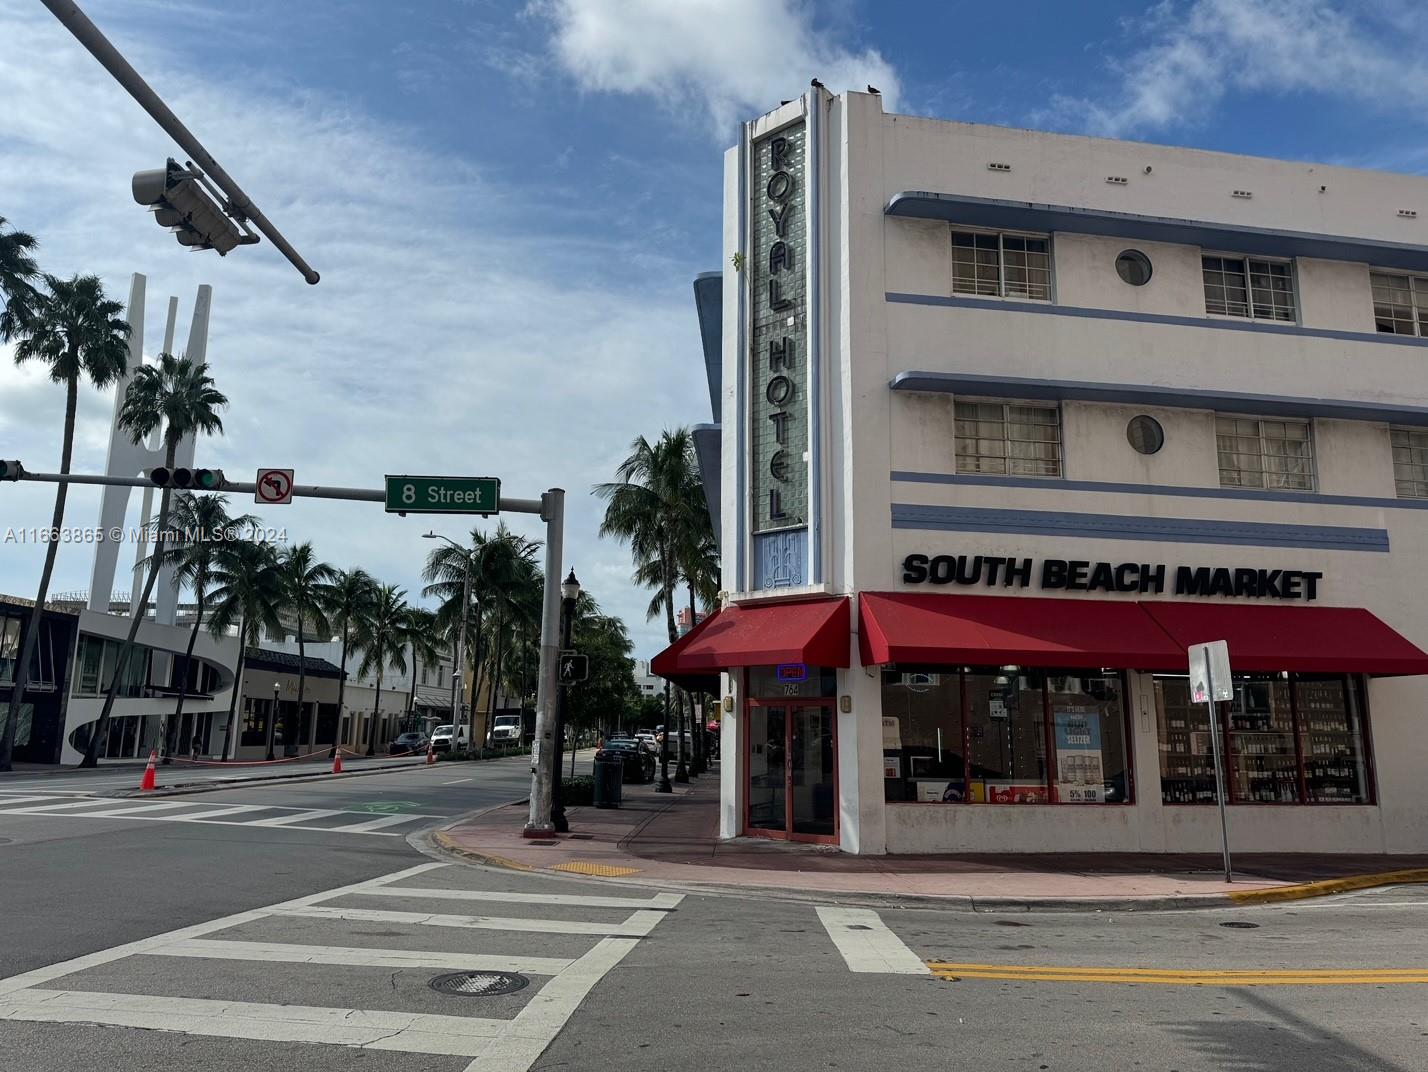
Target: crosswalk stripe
{"points": [[213, 811], [56, 805], [297, 817], [663, 900], [531, 1030], [372, 824], [455, 1036], [136, 809], [37, 976], [867, 944], [360, 956], [4, 800], [637, 926]]}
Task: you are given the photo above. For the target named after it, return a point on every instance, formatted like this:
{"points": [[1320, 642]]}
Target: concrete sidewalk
{"points": [[671, 840]]}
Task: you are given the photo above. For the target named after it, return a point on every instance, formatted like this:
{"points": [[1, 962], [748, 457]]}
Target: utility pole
{"points": [[543, 751]]}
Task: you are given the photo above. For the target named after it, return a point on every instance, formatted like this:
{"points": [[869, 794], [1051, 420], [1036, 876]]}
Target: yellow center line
{"points": [[1182, 977]]}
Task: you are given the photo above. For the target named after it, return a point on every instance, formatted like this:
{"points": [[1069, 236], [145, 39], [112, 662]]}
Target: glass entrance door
{"points": [[792, 764]]}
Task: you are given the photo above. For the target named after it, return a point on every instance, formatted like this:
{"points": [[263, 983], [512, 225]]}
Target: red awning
{"points": [[760, 634], [666, 663], [905, 627], [1335, 640]]}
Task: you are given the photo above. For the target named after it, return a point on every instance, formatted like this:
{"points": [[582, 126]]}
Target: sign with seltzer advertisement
{"points": [[1080, 774]]}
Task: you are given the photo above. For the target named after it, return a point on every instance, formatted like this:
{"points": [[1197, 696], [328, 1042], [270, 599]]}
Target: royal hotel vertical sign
{"points": [[779, 403]]}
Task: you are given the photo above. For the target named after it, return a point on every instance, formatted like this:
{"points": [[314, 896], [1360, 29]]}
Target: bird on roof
{"points": [[814, 82], [874, 89]]}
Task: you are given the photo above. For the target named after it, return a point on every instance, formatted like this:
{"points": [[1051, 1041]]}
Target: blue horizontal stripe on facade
{"points": [[1111, 487], [1116, 527], [1131, 316], [1142, 394], [1267, 241]]}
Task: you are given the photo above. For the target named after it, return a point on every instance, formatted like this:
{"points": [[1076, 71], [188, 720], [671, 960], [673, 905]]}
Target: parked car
{"points": [[445, 738], [639, 763], [407, 742], [649, 740]]}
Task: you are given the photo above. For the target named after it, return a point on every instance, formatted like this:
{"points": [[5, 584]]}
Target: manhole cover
{"points": [[479, 984], [1239, 924]]}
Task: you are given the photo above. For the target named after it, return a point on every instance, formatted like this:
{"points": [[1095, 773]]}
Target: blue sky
{"points": [[508, 202]]}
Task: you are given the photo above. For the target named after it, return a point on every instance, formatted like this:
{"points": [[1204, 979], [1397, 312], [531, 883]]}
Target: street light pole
{"points": [[273, 719], [569, 593], [664, 784], [553, 514]]}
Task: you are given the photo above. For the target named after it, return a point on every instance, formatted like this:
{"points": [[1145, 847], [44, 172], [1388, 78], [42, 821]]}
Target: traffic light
{"points": [[181, 202], [195, 479], [10, 470]]}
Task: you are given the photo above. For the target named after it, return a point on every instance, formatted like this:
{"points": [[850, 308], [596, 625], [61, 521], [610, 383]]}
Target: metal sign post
{"points": [[1210, 682]]}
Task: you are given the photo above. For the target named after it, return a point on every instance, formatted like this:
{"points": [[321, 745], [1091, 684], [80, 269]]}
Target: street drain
{"points": [[1240, 924], [479, 984]]}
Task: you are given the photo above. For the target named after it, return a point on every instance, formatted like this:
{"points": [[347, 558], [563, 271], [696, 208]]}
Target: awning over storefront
{"points": [[814, 632], [1335, 640], [667, 665], [898, 627]]}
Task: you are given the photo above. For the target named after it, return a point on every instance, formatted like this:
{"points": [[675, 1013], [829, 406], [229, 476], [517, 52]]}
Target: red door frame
{"points": [[789, 703]]}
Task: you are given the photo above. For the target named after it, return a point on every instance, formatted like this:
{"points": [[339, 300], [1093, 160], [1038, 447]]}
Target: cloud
{"points": [[732, 58], [462, 325], [1185, 60]]}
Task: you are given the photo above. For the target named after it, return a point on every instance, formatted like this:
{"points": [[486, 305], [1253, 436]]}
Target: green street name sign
{"points": [[443, 494]]}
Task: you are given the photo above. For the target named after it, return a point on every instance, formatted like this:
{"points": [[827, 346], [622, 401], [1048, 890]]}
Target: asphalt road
{"points": [[307, 946]]}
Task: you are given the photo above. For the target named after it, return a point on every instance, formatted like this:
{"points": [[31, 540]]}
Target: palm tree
{"points": [[383, 638], [426, 648], [77, 333], [649, 506], [306, 591], [177, 395], [247, 592], [503, 574], [349, 599], [17, 269], [201, 523]]}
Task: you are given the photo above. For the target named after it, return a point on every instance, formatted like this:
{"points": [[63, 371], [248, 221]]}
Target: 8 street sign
{"points": [[572, 668], [443, 495]]}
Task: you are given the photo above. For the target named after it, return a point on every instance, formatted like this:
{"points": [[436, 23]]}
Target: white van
{"points": [[445, 738]]}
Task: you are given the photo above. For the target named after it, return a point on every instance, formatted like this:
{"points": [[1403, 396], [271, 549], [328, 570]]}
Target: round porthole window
{"points": [[1134, 267], [1145, 434]]}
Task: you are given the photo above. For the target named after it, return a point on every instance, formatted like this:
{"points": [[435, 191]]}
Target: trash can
{"points": [[609, 781]]}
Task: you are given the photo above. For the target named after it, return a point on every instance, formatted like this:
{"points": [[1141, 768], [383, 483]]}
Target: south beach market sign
{"points": [[1083, 575]]}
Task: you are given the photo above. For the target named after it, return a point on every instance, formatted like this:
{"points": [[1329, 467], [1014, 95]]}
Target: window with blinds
{"points": [[1410, 461], [1012, 438], [1400, 303], [1260, 453]]}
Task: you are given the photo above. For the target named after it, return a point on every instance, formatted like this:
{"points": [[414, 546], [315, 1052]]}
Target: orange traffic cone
{"points": [[430, 755], [148, 782], [337, 763]]}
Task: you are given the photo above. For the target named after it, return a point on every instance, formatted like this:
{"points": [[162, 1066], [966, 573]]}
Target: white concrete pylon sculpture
{"points": [[129, 459]]}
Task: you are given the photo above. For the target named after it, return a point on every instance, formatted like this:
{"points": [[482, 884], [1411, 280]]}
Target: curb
{"points": [[192, 788], [445, 844], [1325, 887]]}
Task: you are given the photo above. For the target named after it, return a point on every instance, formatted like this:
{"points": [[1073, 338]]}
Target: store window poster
{"points": [[1080, 777]]}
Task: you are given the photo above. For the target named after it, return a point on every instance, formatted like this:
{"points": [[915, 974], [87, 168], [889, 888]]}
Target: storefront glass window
{"points": [[1261, 753], [1288, 740], [1332, 739], [922, 736], [1006, 724], [1089, 731], [9, 648], [997, 721], [792, 680]]}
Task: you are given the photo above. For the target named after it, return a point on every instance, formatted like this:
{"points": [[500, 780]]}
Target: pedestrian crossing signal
{"points": [[572, 668]]}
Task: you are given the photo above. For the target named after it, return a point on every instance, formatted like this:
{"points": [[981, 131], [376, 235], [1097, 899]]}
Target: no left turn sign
{"points": [[274, 486]]}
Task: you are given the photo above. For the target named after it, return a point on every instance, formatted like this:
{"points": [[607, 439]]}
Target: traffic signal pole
{"points": [[239, 204], [551, 509]]}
